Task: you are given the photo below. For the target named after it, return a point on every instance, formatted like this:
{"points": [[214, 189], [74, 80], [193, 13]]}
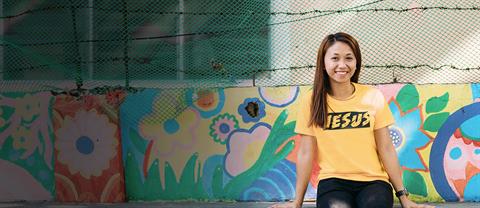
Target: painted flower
{"points": [[251, 110], [462, 158], [23, 138], [408, 137], [28, 108], [222, 126], [455, 156], [86, 143], [279, 96], [208, 102], [461, 162], [244, 147], [170, 137]]}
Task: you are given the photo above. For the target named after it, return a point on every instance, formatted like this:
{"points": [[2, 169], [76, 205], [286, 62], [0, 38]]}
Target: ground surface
{"points": [[192, 205]]}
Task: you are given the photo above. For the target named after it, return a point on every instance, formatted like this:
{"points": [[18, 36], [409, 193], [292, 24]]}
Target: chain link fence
{"points": [[180, 44], [186, 43]]}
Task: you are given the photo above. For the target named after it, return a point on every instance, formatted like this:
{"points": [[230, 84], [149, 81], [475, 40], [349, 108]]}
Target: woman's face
{"points": [[340, 63]]}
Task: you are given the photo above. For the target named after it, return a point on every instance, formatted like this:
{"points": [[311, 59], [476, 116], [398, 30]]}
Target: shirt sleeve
{"points": [[384, 116], [303, 116]]}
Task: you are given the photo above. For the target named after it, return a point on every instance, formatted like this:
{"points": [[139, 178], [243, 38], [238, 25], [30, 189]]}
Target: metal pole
{"points": [[90, 38], [181, 40], [2, 31]]}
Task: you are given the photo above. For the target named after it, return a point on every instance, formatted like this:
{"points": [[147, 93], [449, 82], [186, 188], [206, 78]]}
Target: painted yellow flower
{"points": [[23, 138], [28, 107]]}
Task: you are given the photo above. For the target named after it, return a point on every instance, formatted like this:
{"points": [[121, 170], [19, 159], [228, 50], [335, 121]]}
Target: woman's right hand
{"points": [[287, 205]]}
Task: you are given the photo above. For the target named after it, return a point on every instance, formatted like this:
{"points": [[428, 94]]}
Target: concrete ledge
{"points": [[193, 204]]}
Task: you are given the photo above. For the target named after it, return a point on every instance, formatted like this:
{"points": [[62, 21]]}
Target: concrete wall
{"points": [[203, 144]]}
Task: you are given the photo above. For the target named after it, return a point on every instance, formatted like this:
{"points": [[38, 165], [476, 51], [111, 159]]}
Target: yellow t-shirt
{"points": [[346, 147]]}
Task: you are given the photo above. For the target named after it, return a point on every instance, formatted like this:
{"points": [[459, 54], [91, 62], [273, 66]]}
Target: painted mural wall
{"points": [[213, 144], [88, 165], [26, 147]]}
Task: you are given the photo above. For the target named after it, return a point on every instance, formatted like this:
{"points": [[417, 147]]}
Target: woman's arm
{"points": [[304, 169], [304, 166], [389, 159]]}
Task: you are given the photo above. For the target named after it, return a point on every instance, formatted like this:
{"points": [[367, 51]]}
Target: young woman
{"points": [[346, 125]]}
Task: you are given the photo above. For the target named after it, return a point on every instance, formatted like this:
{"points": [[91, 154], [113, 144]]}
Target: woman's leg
{"points": [[335, 193], [336, 199], [377, 194]]}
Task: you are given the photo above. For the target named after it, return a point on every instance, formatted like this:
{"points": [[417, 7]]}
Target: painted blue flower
{"points": [[407, 137], [251, 110]]}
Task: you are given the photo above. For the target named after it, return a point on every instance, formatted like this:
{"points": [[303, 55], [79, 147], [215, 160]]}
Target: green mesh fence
{"points": [[203, 44], [148, 42]]}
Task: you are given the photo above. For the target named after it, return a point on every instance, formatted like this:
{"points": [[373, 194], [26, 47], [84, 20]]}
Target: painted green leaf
{"points": [[408, 97], [153, 185], [199, 190], [267, 159], [436, 104], [187, 179], [414, 183], [217, 183], [283, 134], [138, 142], [435, 121], [171, 185], [285, 151], [133, 183]]}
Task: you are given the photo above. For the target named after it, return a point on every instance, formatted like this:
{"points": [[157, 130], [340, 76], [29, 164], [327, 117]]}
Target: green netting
{"points": [[178, 44], [230, 42], [135, 40]]}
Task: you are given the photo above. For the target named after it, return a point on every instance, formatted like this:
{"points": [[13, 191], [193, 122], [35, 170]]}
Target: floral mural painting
{"points": [[244, 146], [222, 126], [280, 96], [275, 148], [26, 147], [150, 141], [251, 110], [197, 144], [161, 130], [409, 137], [407, 132], [456, 175], [208, 102], [88, 150], [93, 137]]}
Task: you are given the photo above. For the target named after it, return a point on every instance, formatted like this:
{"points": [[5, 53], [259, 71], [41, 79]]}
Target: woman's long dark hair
{"points": [[321, 84]]}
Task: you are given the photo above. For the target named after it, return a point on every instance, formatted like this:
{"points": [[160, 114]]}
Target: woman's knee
{"points": [[336, 199], [378, 194], [376, 201]]}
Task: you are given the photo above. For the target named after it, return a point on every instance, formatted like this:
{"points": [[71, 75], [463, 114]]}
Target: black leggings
{"points": [[334, 192]]}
